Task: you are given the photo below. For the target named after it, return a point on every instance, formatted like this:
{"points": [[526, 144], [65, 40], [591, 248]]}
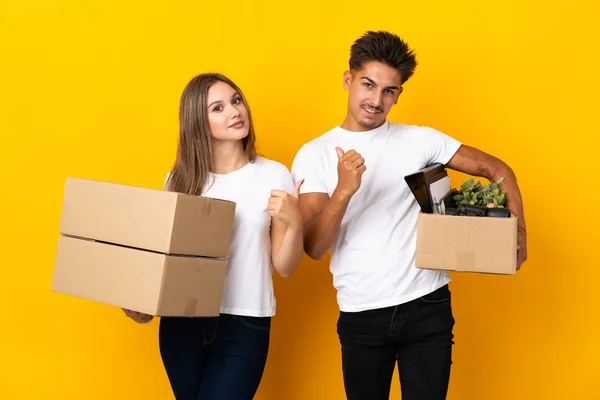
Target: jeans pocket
{"points": [[437, 296], [256, 323]]}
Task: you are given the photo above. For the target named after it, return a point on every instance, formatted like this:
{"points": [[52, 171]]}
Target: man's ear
{"points": [[347, 79]]}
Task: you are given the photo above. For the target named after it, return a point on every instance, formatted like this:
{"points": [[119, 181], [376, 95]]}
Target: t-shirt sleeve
{"points": [[439, 147], [287, 183], [308, 165]]}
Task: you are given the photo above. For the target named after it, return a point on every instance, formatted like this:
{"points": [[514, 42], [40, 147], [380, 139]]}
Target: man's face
{"points": [[373, 90]]}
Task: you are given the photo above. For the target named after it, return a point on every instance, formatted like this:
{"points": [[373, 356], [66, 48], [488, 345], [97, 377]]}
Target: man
{"points": [[354, 201]]}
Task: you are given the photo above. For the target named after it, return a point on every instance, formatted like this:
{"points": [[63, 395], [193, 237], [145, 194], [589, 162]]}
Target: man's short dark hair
{"points": [[386, 48]]}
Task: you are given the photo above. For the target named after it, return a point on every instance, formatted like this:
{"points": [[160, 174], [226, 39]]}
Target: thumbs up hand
{"points": [[351, 166], [284, 206]]}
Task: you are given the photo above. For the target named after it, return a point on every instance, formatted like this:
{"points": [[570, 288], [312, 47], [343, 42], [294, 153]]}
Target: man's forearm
{"points": [[323, 229], [514, 201], [472, 161]]}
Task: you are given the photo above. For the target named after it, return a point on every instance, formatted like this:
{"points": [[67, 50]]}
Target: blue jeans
{"points": [[220, 358], [416, 335]]}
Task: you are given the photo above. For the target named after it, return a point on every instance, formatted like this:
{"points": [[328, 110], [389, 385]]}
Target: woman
{"points": [[224, 357]]}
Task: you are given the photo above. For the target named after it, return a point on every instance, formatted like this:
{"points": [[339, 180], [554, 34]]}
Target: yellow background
{"points": [[91, 89]]}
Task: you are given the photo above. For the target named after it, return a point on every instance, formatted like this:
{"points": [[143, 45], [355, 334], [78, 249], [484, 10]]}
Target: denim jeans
{"points": [[220, 358], [416, 335]]}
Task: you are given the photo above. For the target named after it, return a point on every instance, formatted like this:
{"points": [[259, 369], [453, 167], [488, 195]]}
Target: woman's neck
{"points": [[228, 156]]}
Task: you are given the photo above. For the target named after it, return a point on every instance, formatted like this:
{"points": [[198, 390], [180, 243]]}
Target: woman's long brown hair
{"points": [[194, 160]]}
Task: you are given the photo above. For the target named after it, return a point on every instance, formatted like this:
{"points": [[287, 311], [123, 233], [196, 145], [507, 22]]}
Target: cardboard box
{"points": [[157, 252], [166, 222], [467, 244], [139, 280]]}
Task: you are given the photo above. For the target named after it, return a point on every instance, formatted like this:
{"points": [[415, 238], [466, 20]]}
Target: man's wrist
{"points": [[341, 195]]}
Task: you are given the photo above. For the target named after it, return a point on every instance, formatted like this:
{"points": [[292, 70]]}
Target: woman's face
{"points": [[227, 113]]}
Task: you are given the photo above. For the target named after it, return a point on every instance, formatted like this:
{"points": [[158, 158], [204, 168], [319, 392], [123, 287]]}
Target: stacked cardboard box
{"points": [[157, 252]]}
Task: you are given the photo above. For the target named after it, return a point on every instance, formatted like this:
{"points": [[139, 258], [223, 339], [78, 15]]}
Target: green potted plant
{"points": [[476, 194]]}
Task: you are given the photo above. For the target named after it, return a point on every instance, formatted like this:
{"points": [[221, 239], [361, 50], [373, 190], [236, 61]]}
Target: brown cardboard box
{"points": [[167, 222], [139, 280], [157, 252], [467, 244]]}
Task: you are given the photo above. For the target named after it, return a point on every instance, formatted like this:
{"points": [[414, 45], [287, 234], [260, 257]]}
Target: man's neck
{"points": [[351, 125]]}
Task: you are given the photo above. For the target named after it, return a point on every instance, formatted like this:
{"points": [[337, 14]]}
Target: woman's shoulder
{"points": [[266, 164]]}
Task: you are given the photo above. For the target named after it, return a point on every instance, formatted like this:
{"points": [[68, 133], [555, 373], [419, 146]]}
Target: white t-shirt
{"points": [[373, 259], [249, 283]]}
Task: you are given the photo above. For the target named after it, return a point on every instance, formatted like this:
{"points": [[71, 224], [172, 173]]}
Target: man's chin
{"points": [[370, 123]]}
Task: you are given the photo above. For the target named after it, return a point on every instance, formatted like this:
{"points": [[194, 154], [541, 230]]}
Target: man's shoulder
{"points": [[396, 127], [418, 134], [317, 147], [323, 139], [412, 128]]}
